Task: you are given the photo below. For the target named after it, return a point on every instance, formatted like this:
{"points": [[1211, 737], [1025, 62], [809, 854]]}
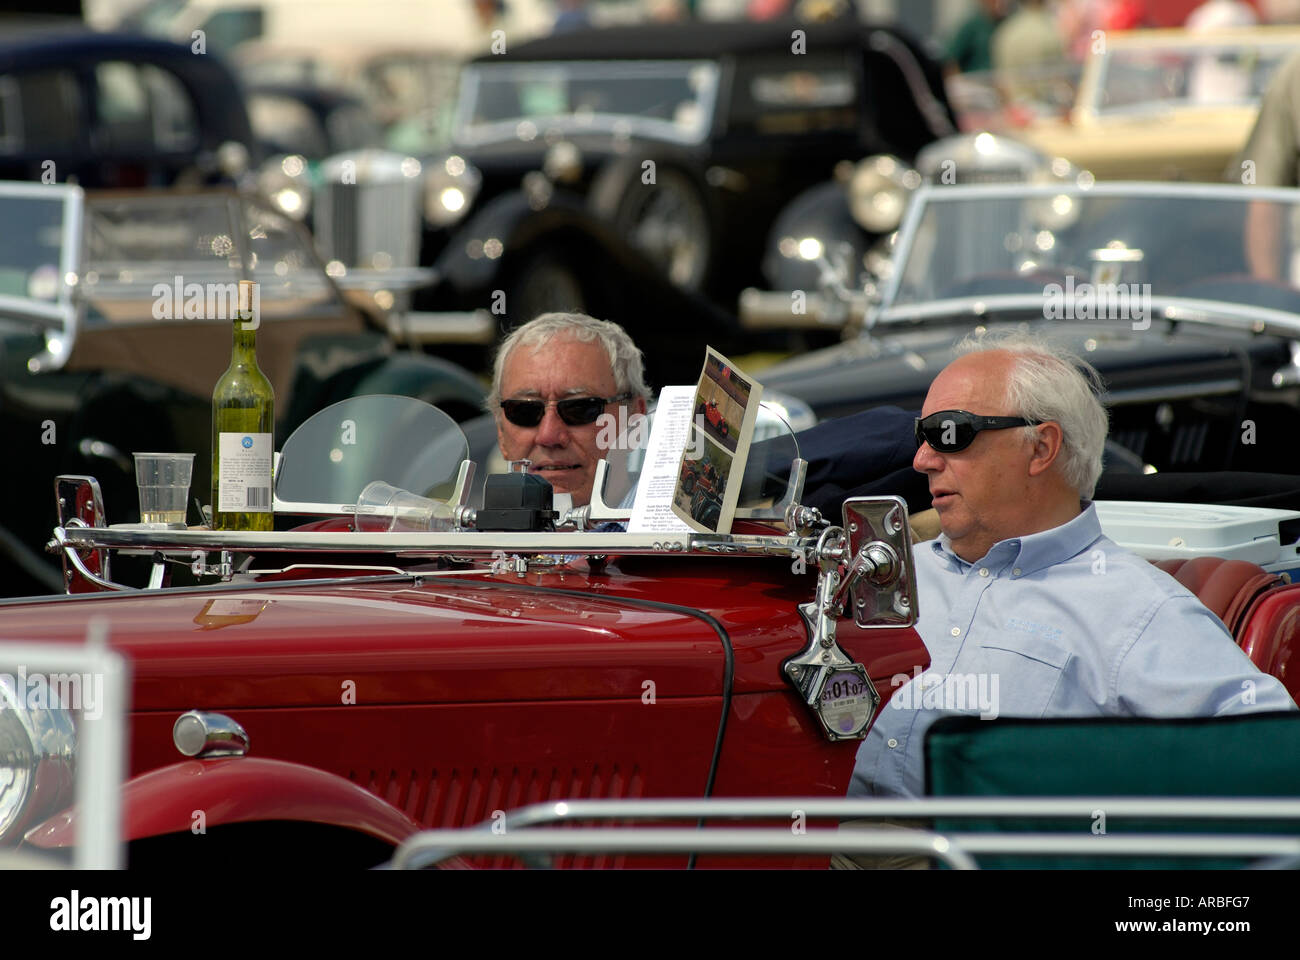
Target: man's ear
{"points": [[1046, 447]]}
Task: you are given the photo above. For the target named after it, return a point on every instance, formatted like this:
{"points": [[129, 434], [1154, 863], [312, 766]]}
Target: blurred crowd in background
{"points": [[1009, 35], [326, 41], [973, 34]]}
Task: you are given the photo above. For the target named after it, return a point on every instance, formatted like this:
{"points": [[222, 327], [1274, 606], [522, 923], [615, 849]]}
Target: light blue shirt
{"points": [[1063, 623]]}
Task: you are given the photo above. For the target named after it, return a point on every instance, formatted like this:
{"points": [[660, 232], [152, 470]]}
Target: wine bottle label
{"points": [[245, 473]]}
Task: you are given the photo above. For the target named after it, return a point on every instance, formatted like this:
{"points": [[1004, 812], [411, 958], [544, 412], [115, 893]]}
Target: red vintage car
{"points": [[335, 690], [710, 412]]}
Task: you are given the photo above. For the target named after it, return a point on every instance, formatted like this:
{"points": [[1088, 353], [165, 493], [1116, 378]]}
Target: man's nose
{"points": [[926, 459], [552, 431]]}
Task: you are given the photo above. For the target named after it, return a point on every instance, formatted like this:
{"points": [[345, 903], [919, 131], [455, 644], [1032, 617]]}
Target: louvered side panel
{"points": [[455, 797]]}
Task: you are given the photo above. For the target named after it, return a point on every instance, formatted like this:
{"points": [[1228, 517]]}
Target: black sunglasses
{"points": [[575, 411], [949, 431]]}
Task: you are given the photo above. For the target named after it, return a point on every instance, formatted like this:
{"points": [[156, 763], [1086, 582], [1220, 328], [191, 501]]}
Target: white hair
{"points": [[1049, 382], [625, 359]]}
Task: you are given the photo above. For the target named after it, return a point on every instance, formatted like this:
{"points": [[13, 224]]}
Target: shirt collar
{"points": [[1037, 550]]}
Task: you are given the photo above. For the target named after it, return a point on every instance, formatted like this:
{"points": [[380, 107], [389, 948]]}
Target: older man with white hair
{"points": [[554, 378], [1022, 591]]}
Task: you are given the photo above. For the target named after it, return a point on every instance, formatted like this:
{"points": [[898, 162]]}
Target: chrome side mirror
{"points": [[81, 504], [880, 575], [869, 561]]}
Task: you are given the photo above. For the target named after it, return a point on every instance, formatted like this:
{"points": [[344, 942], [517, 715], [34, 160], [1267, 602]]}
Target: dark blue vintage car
{"points": [[114, 110]]}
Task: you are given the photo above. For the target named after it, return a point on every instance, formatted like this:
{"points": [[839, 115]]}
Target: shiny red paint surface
{"points": [[1271, 636], [451, 640], [234, 790], [453, 764], [470, 693]]}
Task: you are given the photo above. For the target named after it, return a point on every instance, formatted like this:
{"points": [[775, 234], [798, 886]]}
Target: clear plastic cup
{"points": [[384, 508], [163, 480]]}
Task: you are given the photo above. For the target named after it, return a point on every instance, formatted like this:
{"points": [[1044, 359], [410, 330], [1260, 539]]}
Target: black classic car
{"points": [[115, 323], [1172, 291], [115, 110], [634, 172]]}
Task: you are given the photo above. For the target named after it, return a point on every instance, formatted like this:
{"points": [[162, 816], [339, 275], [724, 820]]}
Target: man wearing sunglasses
{"points": [[554, 378], [1026, 609]]}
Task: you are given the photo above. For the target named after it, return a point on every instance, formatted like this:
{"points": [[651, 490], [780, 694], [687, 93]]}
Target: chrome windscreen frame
{"points": [[463, 543]]}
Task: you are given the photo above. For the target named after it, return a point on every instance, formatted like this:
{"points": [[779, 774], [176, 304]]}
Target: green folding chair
{"points": [[1255, 755]]}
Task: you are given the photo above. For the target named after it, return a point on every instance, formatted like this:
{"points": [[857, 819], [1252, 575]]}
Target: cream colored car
{"points": [[1165, 104]]}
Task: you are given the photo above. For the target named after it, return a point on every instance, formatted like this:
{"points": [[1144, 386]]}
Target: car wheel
{"points": [[724, 428], [667, 221]]}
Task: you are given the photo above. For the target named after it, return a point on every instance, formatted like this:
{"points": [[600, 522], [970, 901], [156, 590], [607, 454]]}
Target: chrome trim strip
{"points": [[953, 849], [414, 578], [69, 551], [433, 846], [1214, 313], [429, 847], [468, 543], [1174, 808], [1131, 844], [1205, 388], [948, 193], [31, 309]]}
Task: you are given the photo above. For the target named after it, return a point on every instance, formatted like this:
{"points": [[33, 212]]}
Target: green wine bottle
{"points": [[243, 417]]}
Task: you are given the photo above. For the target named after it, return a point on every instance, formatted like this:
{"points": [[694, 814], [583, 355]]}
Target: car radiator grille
{"points": [[461, 798], [369, 225], [993, 175]]}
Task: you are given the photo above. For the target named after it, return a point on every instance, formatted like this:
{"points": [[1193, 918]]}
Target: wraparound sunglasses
{"points": [[949, 431], [575, 411]]}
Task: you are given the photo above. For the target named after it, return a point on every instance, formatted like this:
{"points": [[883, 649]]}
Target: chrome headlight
{"points": [[450, 187], [879, 188], [286, 182], [37, 754]]}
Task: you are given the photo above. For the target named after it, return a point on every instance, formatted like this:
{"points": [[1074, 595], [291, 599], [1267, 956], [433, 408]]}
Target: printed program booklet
{"points": [[652, 509], [712, 466]]}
